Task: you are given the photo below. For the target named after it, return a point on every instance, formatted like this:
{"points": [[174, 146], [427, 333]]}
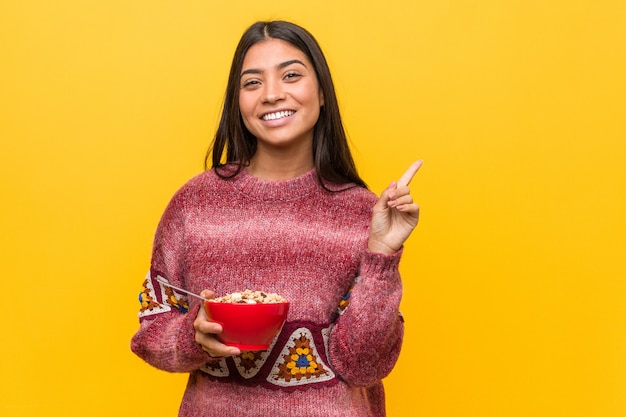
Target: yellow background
{"points": [[514, 282]]}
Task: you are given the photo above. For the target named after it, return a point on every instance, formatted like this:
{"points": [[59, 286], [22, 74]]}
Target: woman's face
{"points": [[279, 96]]}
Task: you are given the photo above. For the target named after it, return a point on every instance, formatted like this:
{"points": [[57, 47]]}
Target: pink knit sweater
{"points": [[292, 238]]}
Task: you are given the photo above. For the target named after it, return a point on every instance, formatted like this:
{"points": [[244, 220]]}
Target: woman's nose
{"points": [[273, 91]]}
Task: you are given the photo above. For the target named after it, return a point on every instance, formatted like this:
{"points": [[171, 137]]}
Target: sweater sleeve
{"points": [[366, 339], [166, 336]]}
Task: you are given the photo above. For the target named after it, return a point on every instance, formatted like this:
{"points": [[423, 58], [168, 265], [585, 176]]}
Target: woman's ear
{"points": [[321, 98]]}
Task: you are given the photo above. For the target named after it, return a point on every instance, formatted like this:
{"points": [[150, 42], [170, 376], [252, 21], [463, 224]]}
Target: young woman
{"points": [[281, 210]]}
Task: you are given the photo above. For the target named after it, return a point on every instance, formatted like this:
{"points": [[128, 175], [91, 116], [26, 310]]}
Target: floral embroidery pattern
{"points": [[301, 362], [213, 366], [297, 365], [146, 300], [150, 294], [178, 303], [345, 300], [217, 368], [249, 359], [250, 363]]}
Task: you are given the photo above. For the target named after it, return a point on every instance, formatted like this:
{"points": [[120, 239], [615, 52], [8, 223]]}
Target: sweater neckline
{"points": [[282, 190]]}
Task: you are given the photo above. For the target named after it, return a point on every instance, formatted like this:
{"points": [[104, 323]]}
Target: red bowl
{"points": [[247, 326]]}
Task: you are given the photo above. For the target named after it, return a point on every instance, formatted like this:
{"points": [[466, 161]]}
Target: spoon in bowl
{"points": [[162, 280]]}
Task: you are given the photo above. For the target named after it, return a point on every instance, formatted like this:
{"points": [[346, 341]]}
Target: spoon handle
{"points": [[167, 284]]}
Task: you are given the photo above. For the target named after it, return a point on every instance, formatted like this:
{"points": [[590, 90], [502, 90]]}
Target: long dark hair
{"points": [[332, 158]]}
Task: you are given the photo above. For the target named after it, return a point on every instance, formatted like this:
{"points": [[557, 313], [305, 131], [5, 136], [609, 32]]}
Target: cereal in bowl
{"points": [[250, 297]]}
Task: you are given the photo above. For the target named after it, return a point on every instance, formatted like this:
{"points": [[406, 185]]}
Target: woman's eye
{"points": [[292, 76], [250, 83]]}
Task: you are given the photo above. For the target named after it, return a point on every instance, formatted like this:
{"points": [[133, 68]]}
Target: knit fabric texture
{"points": [[293, 238]]}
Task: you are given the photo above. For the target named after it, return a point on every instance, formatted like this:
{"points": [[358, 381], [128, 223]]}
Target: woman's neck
{"points": [[280, 166]]}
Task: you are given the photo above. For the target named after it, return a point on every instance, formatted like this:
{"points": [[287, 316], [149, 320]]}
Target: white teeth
{"points": [[278, 115]]}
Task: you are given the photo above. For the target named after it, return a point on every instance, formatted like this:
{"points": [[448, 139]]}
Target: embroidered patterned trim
{"points": [[299, 362], [297, 359], [176, 300], [326, 337], [156, 298], [150, 305], [216, 368], [345, 300], [249, 363]]}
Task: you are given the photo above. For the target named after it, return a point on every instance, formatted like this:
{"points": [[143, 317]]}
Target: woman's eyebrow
{"points": [[279, 66], [292, 61]]}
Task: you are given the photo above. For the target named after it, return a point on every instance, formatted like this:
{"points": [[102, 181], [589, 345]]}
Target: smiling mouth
{"points": [[277, 115]]}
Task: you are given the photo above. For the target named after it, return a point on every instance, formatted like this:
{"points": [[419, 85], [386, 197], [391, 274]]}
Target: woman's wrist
{"points": [[378, 247]]}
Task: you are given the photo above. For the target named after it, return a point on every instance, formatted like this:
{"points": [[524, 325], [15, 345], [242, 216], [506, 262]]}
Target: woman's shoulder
{"points": [[354, 196], [198, 186], [197, 181]]}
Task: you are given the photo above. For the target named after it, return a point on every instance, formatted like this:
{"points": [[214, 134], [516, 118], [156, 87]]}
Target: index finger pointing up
{"points": [[406, 178]]}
